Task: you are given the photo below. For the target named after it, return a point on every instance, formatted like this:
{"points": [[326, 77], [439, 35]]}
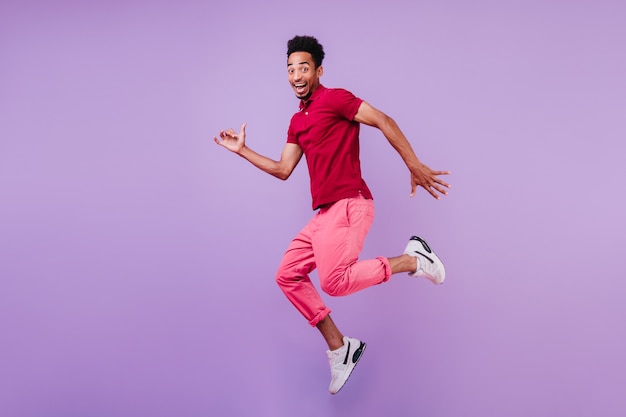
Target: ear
{"points": [[320, 71]]}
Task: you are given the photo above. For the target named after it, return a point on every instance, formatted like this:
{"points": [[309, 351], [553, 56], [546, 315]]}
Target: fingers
{"points": [[431, 190], [224, 134], [230, 139], [230, 132], [445, 184], [436, 185], [440, 181], [440, 190], [433, 185], [434, 194]]}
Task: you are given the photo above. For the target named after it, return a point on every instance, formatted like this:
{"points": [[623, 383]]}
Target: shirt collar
{"points": [[320, 88]]}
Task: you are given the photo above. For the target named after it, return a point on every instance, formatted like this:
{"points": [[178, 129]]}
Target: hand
{"points": [[425, 177], [232, 140]]}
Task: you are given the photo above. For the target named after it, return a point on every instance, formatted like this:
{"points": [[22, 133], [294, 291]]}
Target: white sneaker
{"points": [[428, 264], [342, 362]]}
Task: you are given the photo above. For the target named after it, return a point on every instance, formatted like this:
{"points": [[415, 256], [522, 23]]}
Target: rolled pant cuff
{"points": [[386, 267], [319, 317]]}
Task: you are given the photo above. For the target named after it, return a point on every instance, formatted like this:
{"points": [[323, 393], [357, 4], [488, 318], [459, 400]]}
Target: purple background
{"points": [[137, 257]]}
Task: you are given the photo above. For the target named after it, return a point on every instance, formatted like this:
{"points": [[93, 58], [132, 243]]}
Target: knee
{"points": [[334, 286], [281, 279], [286, 278]]}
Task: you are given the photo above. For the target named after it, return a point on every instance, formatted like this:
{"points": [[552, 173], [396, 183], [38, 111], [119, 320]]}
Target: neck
{"points": [[308, 96]]}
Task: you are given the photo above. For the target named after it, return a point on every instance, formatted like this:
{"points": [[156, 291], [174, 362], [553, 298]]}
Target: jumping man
{"points": [[326, 131]]}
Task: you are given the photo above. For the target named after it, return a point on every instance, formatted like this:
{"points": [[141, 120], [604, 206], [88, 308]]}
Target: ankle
{"points": [[403, 263], [330, 332], [335, 344]]}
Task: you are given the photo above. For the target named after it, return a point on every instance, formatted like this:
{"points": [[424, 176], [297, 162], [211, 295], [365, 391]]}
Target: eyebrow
{"points": [[300, 63]]}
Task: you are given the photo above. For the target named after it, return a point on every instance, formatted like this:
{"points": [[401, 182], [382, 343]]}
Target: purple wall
{"points": [[137, 257]]}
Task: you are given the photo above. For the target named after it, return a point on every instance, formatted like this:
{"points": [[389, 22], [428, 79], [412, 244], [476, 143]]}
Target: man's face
{"points": [[304, 78]]}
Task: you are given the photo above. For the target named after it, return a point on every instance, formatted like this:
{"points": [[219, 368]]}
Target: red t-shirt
{"points": [[329, 137]]}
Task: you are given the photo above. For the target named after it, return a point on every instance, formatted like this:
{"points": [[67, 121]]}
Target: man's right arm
{"points": [[282, 169]]}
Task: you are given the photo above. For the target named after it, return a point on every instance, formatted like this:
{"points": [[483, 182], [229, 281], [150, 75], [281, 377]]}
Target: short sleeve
{"points": [[291, 136], [345, 103]]}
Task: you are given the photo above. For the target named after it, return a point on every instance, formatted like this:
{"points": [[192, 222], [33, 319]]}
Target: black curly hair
{"points": [[306, 44]]}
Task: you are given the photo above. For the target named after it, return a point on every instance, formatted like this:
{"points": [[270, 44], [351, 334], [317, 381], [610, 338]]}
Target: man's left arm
{"points": [[421, 175]]}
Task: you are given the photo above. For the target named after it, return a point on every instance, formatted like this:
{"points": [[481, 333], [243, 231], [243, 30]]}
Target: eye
{"points": [[305, 69]]}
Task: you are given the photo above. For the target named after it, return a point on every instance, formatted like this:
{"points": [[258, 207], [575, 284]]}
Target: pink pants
{"points": [[331, 241]]}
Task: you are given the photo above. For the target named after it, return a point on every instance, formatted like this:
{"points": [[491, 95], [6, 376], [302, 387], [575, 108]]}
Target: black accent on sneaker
{"points": [[423, 242], [345, 361], [358, 352], [425, 256]]}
